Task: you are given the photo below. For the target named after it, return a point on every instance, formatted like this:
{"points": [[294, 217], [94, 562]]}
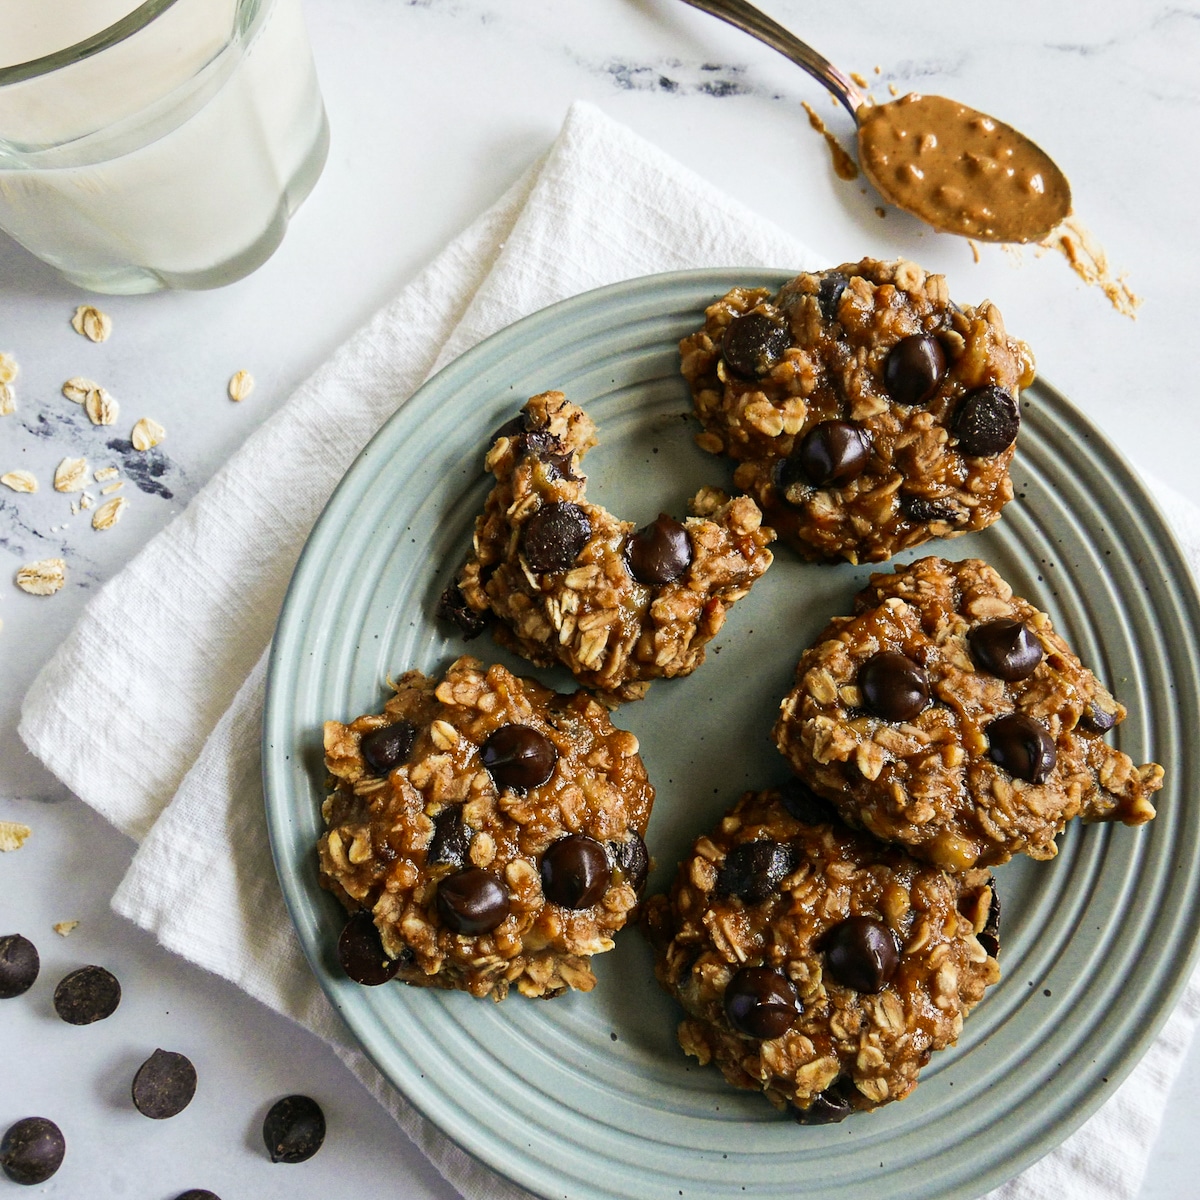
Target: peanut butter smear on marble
{"points": [[960, 170]]}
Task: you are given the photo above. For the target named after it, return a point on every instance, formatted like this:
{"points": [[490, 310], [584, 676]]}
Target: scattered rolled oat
{"points": [[104, 474], [8, 400], [71, 475], [112, 487], [92, 323], [146, 433], [20, 481], [13, 835], [109, 513], [86, 500], [76, 389], [42, 578], [241, 385], [101, 408], [64, 928], [8, 368]]}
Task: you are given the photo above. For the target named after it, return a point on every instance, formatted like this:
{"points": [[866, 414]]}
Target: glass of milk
{"points": [[160, 145]]}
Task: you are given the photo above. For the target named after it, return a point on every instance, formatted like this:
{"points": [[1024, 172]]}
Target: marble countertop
{"points": [[436, 106]]}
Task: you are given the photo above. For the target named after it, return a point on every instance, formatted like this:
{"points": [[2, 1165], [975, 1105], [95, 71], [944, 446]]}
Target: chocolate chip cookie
{"points": [[815, 963], [866, 411], [568, 582], [948, 715], [484, 833]]}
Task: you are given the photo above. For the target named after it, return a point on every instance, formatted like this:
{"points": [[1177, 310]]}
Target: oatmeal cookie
{"points": [[484, 832], [568, 582], [866, 411], [816, 963], [948, 715]]}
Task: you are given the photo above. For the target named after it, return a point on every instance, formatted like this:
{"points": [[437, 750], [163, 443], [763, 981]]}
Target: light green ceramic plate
{"points": [[589, 1096]]}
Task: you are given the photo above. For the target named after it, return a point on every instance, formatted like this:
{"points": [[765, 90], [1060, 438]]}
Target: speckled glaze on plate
{"points": [[588, 1096]]}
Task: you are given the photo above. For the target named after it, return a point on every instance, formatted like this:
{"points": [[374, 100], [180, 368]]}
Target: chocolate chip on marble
{"points": [[518, 756], [829, 1107], [914, 369], [1096, 718], [451, 841], [294, 1129], [761, 1002], [861, 953], [386, 748], [554, 536], [989, 937], [832, 454], [805, 805], [31, 1150], [1006, 648], [87, 995], [164, 1085], [1021, 746], [630, 861], [754, 343], [198, 1194], [575, 871], [660, 552], [452, 606], [829, 293], [893, 686], [472, 901], [986, 422], [926, 510], [361, 954], [754, 870], [19, 965]]}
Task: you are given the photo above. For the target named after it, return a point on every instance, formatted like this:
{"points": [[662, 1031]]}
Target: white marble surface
{"points": [[436, 106]]}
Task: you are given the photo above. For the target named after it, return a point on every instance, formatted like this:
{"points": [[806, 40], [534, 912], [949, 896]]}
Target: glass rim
{"points": [[131, 23]]}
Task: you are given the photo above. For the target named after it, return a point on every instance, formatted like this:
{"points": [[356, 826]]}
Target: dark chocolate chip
{"points": [[829, 293], [19, 965], [805, 805], [575, 871], [986, 421], [198, 1194], [630, 860], [472, 901], [925, 510], [829, 1107], [893, 686], [754, 870], [861, 953], [1021, 746], [386, 748], [518, 756], [754, 343], [914, 369], [451, 841], [32, 1150], [294, 1129], [554, 536], [544, 446], [989, 938], [1096, 719], [1006, 648], [164, 1085], [511, 428], [832, 454], [659, 552], [361, 954], [761, 1003], [86, 995], [452, 606]]}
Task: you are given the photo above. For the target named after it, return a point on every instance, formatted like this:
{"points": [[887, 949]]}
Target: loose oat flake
{"points": [[147, 433], [42, 578], [104, 474], [76, 389], [109, 513], [71, 475], [8, 400], [112, 487], [241, 385], [13, 835], [101, 408], [92, 323], [20, 481], [8, 368], [65, 928]]}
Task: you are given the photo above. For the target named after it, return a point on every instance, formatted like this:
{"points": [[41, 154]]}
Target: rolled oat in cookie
{"points": [[815, 963], [484, 833], [568, 582], [947, 714], [866, 411]]}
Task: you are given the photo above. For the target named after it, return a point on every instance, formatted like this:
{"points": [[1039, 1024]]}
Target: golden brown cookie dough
{"points": [[948, 715], [865, 410], [491, 828], [568, 582], [816, 963]]}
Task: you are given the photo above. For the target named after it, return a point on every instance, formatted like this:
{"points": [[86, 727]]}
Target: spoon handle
{"points": [[757, 24]]}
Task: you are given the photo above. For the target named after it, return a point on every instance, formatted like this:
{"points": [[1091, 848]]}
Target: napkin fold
{"points": [[177, 765]]}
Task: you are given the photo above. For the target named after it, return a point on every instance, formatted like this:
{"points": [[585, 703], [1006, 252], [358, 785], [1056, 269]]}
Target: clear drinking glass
{"points": [[166, 146]]}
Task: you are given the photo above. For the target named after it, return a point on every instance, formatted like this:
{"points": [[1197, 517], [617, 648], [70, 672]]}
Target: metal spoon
{"points": [[958, 169]]}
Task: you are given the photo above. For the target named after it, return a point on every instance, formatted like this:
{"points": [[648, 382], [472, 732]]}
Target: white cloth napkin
{"points": [[177, 765]]}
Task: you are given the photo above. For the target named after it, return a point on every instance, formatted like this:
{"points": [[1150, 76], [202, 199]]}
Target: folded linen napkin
{"points": [[602, 206]]}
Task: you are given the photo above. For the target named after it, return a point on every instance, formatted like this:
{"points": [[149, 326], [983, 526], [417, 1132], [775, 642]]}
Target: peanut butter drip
{"points": [[961, 171]]}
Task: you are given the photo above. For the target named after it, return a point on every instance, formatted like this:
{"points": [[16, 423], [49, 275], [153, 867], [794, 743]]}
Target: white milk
{"points": [[184, 164]]}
